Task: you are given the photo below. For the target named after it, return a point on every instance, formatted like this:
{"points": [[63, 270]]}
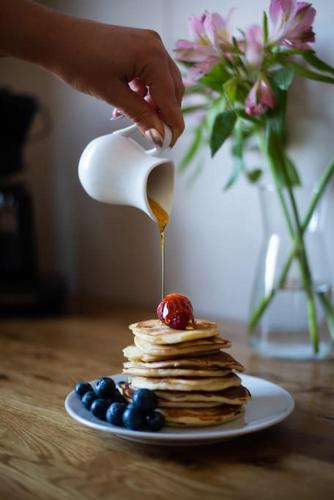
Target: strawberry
{"points": [[176, 311]]}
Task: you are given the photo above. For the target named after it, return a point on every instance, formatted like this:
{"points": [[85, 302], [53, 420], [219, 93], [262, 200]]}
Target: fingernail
{"points": [[116, 114], [154, 136]]}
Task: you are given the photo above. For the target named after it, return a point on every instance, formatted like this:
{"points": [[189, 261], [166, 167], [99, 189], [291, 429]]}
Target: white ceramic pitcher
{"points": [[116, 169]]}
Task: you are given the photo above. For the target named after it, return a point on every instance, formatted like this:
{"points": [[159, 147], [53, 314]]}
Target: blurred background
{"points": [[112, 253]]}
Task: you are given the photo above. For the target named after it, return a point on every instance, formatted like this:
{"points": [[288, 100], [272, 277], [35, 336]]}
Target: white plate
{"points": [[270, 404]]}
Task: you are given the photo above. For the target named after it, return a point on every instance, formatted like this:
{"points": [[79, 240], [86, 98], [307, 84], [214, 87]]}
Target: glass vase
{"points": [[282, 330]]}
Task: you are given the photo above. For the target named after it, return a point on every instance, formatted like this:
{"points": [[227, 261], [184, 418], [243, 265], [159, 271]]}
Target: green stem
{"points": [[305, 273], [278, 188], [257, 313], [297, 236], [260, 309], [302, 259], [328, 310]]}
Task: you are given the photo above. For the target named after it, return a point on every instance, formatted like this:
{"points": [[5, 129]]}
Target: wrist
{"points": [[30, 31]]}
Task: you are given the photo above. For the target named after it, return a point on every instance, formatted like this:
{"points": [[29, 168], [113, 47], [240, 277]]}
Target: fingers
{"points": [[163, 92], [138, 110], [138, 86], [154, 96]]}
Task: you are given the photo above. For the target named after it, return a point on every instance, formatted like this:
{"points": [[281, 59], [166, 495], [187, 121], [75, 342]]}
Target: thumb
{"points": [[139, 111]]}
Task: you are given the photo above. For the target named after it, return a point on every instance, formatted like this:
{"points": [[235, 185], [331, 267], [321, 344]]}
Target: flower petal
{"points": [[196, 29], [192, 52], [292, 22], [254, 45], [215, 27], [260, 98], [198, 70]]}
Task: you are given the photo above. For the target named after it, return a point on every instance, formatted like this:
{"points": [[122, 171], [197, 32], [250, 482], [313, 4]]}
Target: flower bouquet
{"points": [[238, 86]]}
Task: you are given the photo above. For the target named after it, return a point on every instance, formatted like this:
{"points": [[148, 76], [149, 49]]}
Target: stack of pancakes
{"points": [[193, 378]]}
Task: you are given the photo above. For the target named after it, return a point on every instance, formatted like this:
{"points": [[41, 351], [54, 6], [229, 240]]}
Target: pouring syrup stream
{"points": [[162, 218]]}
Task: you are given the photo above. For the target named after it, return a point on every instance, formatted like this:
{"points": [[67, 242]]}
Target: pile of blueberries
{"points": [[105, 402]]}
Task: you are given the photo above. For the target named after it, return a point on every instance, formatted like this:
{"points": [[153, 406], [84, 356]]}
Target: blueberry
{"points": [[99, 408], [118, 398], [88, 398], [155, 421], [145, 400], [105, 388], [81, 388], [133, 418], [115, 413]]}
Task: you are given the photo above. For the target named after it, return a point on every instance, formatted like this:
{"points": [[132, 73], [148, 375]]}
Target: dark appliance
{"points": [[23, 291]]}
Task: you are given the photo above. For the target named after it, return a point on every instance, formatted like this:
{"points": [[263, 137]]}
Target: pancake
{"points": [[183, 348], [220, 360], [185, 384], [200, 417], [199, 404], [237, 395], [133, 353], [156, 332], [135, 370]]}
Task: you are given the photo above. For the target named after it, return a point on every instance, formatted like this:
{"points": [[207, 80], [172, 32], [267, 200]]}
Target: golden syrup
{"points": [[162, 219]]}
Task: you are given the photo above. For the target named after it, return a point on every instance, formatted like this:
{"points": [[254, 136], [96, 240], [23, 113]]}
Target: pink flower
{"points": [[260, 98], [292, 23], [254, 45], [197, 71], [211, 39]]}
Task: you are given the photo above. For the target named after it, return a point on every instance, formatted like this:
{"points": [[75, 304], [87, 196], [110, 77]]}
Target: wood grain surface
{"points": [[44, 454]]}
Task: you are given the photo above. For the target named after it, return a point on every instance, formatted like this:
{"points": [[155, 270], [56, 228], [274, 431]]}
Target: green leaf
{"points": [[292, 172], [192, 150], [283, 169], [217, 106], [238, 154], [274, 153], [283, 77], [265, 28], [289, 52], [277, 116], [312, 75], [254, 175], [222, 129], [248, 118], [237, 169], [197, 88], [193, 109], [236, 45], [230, 88], [215, 78], [317, 63], [211, 83]]}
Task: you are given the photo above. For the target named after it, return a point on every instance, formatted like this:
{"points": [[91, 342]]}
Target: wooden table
{"points": [[45, 454]]}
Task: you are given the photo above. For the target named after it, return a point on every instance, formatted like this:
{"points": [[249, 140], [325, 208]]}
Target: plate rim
{"points": [[202, 434]]}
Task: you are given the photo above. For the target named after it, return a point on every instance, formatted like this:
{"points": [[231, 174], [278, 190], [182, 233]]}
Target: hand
{"points": [[128, 68]]}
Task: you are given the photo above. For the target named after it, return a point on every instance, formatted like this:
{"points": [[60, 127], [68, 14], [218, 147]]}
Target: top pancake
{"points": [[156, 332]]}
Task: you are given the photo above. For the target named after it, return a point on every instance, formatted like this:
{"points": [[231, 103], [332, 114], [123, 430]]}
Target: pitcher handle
{"points": [[166, 142]]}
